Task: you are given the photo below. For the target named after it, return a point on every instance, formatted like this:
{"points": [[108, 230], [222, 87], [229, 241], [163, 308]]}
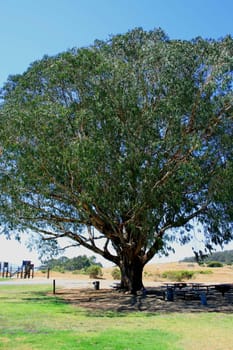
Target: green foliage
{"points": [[215, 264], [205, 272], [178, 275], [121, 146], [63, 263], [148, 274], [116, 273], [59, 269], [94, 271]]}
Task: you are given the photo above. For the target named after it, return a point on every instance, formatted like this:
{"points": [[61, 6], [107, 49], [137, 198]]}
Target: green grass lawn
{"points": [[31, 320]]}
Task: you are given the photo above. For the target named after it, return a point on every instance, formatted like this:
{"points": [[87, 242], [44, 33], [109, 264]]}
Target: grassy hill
{"points": [[225, 257]]}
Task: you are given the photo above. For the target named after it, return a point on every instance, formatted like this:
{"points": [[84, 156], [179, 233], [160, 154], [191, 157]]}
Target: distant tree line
{"points": [[225, 257], [64, 263]]}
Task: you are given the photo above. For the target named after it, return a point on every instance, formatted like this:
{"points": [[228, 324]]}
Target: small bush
{"points": [[215, 264], [148, 274], [59, 269], [94, 271], [205, 272], [178, 275], [116, 273]]}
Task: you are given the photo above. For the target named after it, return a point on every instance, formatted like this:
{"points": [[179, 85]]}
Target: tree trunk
{"points": [[131, 274]]}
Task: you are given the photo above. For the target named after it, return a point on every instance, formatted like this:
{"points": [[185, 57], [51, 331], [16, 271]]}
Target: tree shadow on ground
{"points": [[107, 301]]}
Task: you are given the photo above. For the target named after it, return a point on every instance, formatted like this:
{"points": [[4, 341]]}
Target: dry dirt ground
{"points": [[106, 299]]}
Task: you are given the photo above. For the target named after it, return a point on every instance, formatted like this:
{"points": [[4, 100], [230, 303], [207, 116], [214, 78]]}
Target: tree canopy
{"points": [[122, 146], [81, 262]]}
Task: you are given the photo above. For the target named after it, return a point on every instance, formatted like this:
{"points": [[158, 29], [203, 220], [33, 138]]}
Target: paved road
{"points": [[61, 283]]}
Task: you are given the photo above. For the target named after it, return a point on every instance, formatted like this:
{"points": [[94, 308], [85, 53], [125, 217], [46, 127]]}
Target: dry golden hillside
{"points": [[153, 273], [202, 274]]}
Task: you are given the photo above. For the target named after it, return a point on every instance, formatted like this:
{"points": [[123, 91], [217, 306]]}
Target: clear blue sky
{"points": [[30, 29]]}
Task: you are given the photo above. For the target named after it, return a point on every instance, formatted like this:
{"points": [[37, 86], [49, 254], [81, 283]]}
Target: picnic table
{"points": [[223, 288], [194, 290], [176, 285]]}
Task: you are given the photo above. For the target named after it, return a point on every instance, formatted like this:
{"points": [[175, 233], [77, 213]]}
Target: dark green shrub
{"points": [[215, 264]]}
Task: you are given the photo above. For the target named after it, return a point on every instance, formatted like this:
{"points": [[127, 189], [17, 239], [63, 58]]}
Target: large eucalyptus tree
{"points": [[121, 147]]}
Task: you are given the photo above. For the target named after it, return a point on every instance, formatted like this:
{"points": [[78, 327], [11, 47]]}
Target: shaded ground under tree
{"points": [[110, 300]]}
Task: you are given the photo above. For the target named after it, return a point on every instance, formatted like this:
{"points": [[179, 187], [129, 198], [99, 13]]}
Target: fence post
{"points": [[54, 287]]}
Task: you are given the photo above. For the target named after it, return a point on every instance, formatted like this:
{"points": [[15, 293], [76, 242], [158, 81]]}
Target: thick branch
{"points": [[105, 253], [180, 222]]}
